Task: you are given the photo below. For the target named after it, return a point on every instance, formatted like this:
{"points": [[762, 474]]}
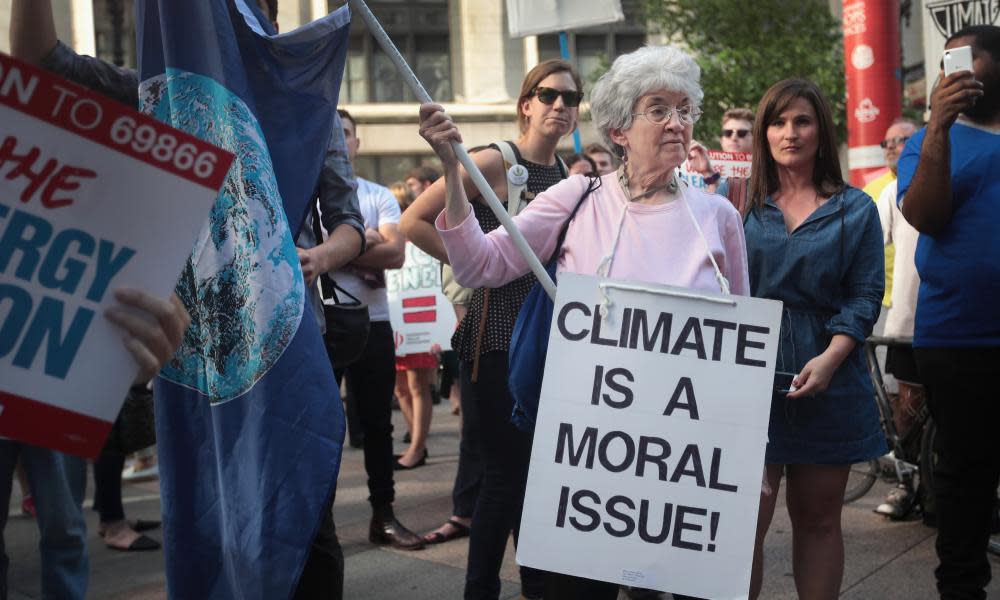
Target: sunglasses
{"points": [[740, 133], [896, 141], [547, 95]]}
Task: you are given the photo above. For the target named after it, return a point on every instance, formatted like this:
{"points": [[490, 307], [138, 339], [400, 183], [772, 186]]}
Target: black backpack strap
{"points": [[328, 287]]}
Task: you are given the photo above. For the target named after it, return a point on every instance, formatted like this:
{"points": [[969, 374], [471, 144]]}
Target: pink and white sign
{"points": [[93, 196], [728, 164]]}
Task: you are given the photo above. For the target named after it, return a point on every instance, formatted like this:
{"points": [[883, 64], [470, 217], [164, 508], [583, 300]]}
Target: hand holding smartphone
{"points": [[957, 59]]}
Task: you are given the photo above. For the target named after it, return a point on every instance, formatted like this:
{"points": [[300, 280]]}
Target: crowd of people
{"points": [[793, 231]]}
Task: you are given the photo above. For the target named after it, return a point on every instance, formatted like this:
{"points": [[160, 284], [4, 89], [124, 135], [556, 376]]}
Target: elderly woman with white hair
{"points": [[633, 224]]}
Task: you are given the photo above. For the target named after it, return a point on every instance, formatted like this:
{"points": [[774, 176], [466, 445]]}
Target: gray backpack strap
{"points": [[562, 166], [517, 179]]}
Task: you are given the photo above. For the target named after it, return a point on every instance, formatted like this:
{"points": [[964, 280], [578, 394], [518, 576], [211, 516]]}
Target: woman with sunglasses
{"points": [[815, 243], [546, 112], [633, 225]]}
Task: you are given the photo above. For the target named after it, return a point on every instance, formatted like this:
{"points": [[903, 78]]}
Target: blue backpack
{"points": [[530, 342]]}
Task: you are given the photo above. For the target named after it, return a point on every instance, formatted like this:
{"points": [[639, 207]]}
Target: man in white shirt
{"points": [[371, 377], [902, 283]]}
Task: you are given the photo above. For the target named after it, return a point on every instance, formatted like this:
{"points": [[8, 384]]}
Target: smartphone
{"points": [[783, 382], [957, 59]]}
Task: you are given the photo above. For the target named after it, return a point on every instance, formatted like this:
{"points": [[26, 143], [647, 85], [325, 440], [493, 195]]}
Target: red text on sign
{"points": [[46, 178]]}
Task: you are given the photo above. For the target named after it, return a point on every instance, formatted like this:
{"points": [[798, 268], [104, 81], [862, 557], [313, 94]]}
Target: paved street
{"points": [[885, 560]]}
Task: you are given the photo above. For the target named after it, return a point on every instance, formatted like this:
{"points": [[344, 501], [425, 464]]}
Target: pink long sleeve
{"points": [[658, 243], [491, 260]]}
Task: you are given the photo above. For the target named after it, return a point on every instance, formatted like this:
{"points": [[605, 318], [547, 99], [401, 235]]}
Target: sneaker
{"points": [[134, 475], [898, 503]]}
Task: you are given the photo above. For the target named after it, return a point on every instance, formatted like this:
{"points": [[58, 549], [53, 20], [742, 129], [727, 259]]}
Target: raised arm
{"points": [[32, 30], [927, 202], [417, 223]]}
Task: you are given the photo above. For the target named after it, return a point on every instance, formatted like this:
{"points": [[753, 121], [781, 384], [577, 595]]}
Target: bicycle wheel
{"points": [[928, 460], [861, 479]]}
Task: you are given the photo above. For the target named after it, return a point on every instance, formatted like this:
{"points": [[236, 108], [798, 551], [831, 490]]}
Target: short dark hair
{"points": [[597, 149], [346, 115], [986, 37], [740, 114], [763, 171], [572, 159], [424, 174]]}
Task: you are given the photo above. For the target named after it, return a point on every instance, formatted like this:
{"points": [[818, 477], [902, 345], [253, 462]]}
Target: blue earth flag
{"points": [[248, 419]]}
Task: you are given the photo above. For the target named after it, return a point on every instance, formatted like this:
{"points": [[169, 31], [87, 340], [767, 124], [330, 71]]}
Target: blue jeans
{"points": [[57, 484]]}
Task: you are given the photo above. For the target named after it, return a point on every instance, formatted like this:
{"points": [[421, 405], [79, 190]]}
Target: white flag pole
{"points": [[361, 9]]}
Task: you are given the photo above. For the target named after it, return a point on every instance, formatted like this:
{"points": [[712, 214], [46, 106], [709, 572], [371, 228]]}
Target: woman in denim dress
{"points": [[814, 243]]}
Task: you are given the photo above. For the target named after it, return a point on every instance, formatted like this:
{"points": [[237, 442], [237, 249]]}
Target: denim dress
{"points": [[830, 275]]}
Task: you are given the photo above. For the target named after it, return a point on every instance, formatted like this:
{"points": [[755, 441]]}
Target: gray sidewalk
{"points": [[885, 560]]}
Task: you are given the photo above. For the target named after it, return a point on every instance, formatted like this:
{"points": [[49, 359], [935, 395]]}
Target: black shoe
{"points": [[406, 438], [386, 530], [398, 466]]}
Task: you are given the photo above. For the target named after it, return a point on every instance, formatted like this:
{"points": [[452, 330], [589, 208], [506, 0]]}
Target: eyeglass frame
{"points": [[899, 140], [740, 133], [570, 98], [671, 111]]}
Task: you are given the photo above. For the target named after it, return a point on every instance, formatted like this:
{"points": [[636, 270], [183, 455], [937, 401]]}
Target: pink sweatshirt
{"points": [[659, 243]]}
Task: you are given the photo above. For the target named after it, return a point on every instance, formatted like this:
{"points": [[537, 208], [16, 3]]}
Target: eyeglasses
{"points": [[658, 115], [547, 95], [740, 133], [896, 141]]}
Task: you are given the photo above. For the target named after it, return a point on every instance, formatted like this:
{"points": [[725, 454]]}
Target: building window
{"points": [[114, 32], [592, 50], [420, 30]]}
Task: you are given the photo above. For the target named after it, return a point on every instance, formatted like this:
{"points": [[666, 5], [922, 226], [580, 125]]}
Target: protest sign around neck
{"points": [[420, 313], [93, 196], [648, 451]]}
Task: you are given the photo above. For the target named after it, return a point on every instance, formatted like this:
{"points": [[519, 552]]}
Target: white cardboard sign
{"points": [[421, 315], [649, 444], [535, 17], [93, 196]]}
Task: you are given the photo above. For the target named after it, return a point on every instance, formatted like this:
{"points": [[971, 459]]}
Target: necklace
{"points": [[670, 186]]}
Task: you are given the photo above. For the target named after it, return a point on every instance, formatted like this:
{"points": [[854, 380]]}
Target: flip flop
{"points": [[136, 525], [140, 544], [458, 531]]}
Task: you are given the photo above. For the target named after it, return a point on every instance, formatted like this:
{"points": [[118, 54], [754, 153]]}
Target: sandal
{"points": [[458, 531], [140, 544], [136, 525], [144, 525]]}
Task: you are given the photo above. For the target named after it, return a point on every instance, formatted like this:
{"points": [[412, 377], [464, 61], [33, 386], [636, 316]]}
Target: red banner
{"points": [[874, 90]]}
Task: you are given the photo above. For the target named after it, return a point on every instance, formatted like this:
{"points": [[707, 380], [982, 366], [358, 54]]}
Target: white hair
{"points": [[635, 74]]}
